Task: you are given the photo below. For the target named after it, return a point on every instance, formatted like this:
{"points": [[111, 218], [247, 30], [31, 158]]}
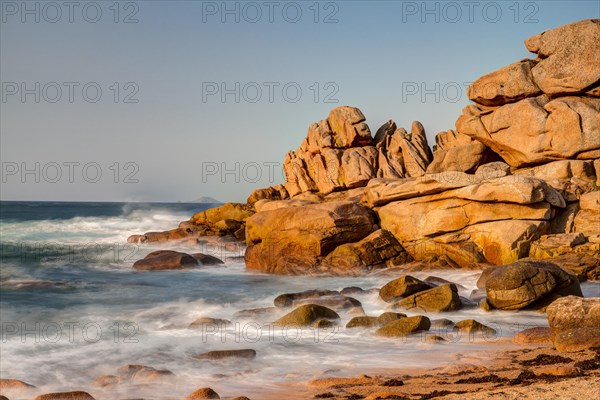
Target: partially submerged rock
{"points": [[226, 354], [203, 394], [369, 322], [142, 374], [76, 395], [207, 259], [402, 287], [288, 299], [438, 299], [404, 326], [207, 321], [307, 315], [165, 260], [471, 326]]}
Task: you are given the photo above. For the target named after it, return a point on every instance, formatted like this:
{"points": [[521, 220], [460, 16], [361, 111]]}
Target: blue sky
{"points": [[160, 130]]}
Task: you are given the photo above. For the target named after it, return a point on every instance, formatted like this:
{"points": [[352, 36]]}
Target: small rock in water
{"points": [[306, 315], [484, 304], [441, 323], [352, 290], [363, 322], [77, 395], [434, 339], [203, 394], [207, 321], [404, 326], [106, 381], [324, 323], [222, 354], [288, 299], [206, 259], [402, 287], [141, 374], [337, 303], [387, 317], [165, 260], [472, 326], [441, 281], [441, 298], [256, 313], [541, 334]]}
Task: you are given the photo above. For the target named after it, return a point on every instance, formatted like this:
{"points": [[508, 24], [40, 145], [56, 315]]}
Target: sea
{"points": [[72, 309]]}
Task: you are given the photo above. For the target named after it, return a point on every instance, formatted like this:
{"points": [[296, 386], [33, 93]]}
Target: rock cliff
{"points": [[517, 178]]}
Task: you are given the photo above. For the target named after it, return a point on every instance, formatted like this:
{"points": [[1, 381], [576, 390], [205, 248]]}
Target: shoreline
{"points": [[525, 371]]}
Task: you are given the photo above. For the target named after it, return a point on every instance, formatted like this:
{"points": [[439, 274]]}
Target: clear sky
{"points": [[172, 100]]}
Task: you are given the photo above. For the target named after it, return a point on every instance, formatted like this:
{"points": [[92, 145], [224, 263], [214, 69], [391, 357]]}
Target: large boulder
{"points": [[466, 226], [336, 154], [572, 312], [535, 111], [348, 127], [228, 219], [277, 192], [438, 299], [568, 57], [506, 85], [489, 185], [378, 250], [537, 130], [571, 178], [165, 260], [293, 240], [520, 284], [228, 211], [577, 339], [457, 152]]}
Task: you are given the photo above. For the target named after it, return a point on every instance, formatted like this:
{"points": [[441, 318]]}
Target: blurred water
{"points": [[72, 309]]}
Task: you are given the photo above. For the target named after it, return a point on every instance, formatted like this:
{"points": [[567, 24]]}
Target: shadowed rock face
{"points": [[293, 240]]}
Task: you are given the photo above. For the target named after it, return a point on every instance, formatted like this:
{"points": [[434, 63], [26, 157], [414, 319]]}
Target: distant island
{"points": [[207, 200]]}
